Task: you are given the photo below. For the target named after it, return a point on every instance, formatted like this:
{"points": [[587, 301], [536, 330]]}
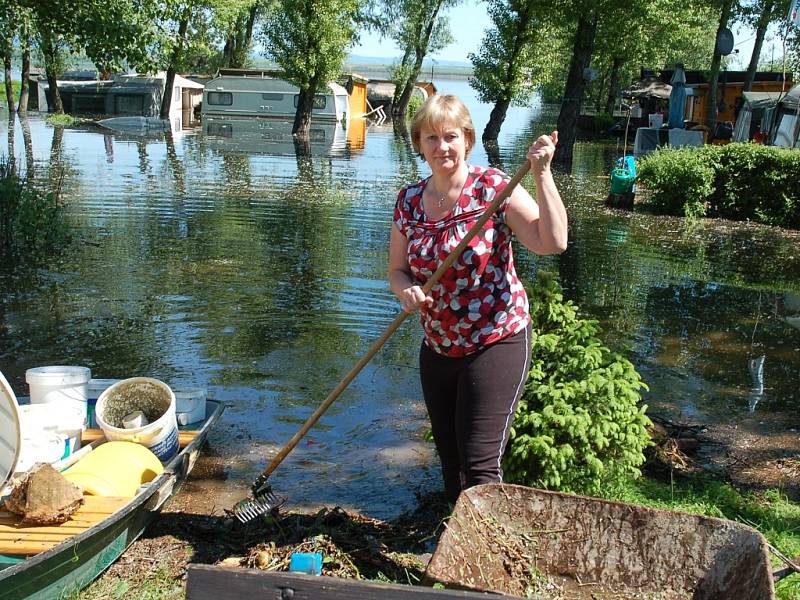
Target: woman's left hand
{"points": [[540, 154]]}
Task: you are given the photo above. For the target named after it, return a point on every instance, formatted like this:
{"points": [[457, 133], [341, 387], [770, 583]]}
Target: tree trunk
{"points": [[9, 87], [248, 37], [498, 115], [761, 32], [573, 91], [22, 107], [228, 50], [496, 118], [398, 89], [613, 87], [302, 118], [54, 96], [713, 76], [400, 108], [166, 100]]}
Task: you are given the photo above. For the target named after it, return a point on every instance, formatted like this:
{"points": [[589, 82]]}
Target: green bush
{"points": [[31, 222], [580, 426], [680, 181], [759, 183], [414, 104], [739, 181], [15, 86]]}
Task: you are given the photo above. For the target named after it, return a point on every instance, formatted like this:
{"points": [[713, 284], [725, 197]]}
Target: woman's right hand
{"points": [[412, 297]]}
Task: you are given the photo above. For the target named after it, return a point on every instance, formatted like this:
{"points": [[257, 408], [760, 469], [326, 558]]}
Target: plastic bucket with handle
{"points": [[149, 396], [59, 384]]}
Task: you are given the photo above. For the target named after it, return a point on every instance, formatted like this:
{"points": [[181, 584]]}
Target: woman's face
{"points": [[443, 147]]}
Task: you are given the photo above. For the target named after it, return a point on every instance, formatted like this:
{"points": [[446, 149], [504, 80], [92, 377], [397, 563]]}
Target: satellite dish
{"points": [[725, 41]]}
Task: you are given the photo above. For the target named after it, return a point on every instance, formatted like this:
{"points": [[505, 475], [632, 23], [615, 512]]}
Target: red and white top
{"points": [[479, 300]]}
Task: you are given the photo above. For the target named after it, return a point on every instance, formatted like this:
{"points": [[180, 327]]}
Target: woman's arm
{"points": [[541, 226], [400, 281]]}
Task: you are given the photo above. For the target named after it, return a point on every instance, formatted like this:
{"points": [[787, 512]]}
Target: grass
{"points": [[770, 512], [158, 585], [61, 120]]}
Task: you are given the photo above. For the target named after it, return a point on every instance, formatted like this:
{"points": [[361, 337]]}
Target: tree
{"points": [[582, 47], [420, 30], [759, 15], [505, 65], [110, 34], [309, 40], [238, 19], [655, 33], [726, 8], [8, 31], [182, 13]]}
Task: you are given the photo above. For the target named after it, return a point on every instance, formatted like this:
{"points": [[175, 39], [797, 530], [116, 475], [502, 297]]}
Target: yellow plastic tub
{"points": [[115, 469]]}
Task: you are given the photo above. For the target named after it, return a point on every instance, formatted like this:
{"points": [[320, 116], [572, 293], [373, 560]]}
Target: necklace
{"points": [[440, 202]]}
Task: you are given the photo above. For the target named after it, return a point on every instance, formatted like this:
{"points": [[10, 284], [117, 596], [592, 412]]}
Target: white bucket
{"points": [[45, 447], [190, 406], [155, 399], [39, 422], [59, 384]]}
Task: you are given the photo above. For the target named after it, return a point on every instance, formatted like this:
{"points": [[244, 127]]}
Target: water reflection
{"points": [[273, 136], [223, 257]]}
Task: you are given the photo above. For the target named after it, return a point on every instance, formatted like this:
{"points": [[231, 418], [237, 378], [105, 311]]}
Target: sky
{"points": [[469, 19], [467, 22]]}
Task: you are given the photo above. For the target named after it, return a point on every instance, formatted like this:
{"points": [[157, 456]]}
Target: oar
{"points": [[264, 499]]}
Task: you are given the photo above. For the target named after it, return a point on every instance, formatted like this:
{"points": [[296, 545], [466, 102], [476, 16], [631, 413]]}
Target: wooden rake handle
{"points": [[377, 344]]}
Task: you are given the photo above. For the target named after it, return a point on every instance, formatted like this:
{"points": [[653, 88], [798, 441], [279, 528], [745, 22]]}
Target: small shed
{"points": [[356, 86]]}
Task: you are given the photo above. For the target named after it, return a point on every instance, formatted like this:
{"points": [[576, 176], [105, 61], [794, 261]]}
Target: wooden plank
{"points": [[184, 437], [16, 539], [205, 582]]}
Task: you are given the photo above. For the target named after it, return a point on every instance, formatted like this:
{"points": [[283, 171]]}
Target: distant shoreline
{"points": [[379, 71]]}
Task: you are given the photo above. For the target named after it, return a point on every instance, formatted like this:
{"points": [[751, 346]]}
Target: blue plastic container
{"points": [[309, 563]]}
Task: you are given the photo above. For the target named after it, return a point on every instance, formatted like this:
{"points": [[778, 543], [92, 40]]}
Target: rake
{"points": [[264, 499]]}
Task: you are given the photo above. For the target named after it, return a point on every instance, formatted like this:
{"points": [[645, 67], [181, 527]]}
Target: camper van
{"points": [[254, 93]]}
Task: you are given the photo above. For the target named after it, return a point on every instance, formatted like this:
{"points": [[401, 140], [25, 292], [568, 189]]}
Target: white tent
{"points": [[786, 117], [755, 105]]}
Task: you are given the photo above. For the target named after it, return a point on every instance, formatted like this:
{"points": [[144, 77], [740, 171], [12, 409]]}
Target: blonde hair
{"points": [[438, 110]]}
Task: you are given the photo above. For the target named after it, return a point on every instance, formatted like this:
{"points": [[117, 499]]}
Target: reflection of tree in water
{"points": [[30, 171], [493, 153], [12, 157], [144, 160], [238, 175], [404, 153], [175, 165]]}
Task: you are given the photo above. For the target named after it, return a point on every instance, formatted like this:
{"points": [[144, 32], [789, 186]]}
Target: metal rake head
{"points": [[260, 504]]}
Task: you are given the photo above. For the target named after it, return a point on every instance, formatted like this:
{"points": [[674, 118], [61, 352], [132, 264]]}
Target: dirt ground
{"points": [[398, 550]]}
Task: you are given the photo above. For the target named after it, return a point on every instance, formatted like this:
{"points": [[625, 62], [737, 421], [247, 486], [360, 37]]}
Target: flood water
{"points": [[215, 257]]}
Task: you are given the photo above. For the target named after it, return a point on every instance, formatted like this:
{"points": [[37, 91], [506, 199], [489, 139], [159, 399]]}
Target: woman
{"points": [[476, 350]]}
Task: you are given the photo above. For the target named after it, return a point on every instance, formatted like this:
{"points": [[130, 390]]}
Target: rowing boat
{"points": [[56, 561]]}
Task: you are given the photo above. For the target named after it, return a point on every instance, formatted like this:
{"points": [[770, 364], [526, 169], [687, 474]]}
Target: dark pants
{"points": [[471, 403]]}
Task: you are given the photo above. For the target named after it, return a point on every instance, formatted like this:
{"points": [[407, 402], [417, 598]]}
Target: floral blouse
{"points": [[479, 300]]}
